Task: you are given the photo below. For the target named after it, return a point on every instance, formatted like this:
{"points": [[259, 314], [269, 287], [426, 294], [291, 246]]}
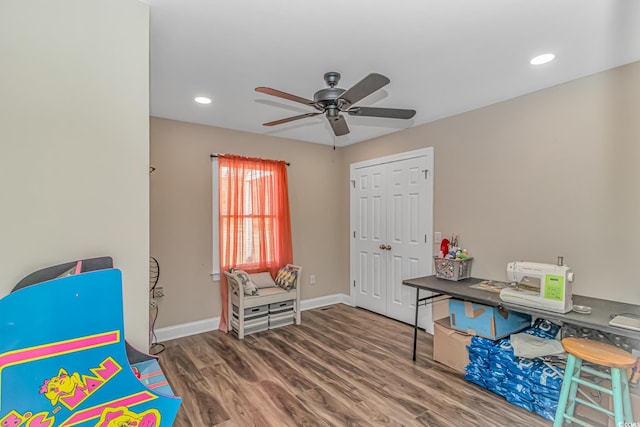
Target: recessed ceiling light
{"points": [[542, 59], [202, 100]]}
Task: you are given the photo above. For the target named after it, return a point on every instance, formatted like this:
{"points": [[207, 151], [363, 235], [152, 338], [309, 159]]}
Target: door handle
{"points": [[388, 247], [385, 247]]}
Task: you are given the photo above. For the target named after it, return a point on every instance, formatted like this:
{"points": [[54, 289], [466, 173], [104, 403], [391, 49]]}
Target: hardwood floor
{"points": [[342, 366]]}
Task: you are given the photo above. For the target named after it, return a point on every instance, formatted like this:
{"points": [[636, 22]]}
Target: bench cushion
{"points": [[269, 296], [266, 291], [262, 280]]}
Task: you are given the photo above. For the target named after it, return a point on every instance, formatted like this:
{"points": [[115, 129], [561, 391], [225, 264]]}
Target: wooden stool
{"points": [[617, 360]]}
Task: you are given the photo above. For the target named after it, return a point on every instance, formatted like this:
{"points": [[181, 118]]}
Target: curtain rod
{"points": [[219, 154]]}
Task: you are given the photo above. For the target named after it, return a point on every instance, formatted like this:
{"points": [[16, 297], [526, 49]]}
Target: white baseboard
{"points": [[211, 324], [186, 329], [308, 304]]}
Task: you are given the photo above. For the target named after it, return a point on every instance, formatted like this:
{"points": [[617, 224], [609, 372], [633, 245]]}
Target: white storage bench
{"points": [[271, 308]]}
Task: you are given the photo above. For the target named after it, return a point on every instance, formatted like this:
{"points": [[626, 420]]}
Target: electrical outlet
{"points": [[158, 292], [153, 304], [312, 279]]}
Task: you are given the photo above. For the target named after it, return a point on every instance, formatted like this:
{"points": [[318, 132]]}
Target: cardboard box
{"points": [[450, 346], [440, 310], [485, 321]]}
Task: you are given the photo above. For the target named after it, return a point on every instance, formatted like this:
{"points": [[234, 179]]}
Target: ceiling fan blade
{"points": [[391, 113], [364, 87], [285, 95], [339, 125], [290, 119]]}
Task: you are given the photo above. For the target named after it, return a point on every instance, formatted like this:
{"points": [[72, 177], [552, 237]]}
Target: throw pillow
{"points": [[262, 280], [286, 278], [248, 286]]}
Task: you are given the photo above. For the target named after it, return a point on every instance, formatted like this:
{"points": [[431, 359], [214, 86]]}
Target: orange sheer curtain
{"points": [[254, 221]]}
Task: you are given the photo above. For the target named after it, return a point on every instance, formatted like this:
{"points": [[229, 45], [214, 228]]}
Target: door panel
{"points": [[392, 203], [370, 264], [377, 220], [414, 219], [376, 275], [396, 281], [363, 218], [409, 245]]}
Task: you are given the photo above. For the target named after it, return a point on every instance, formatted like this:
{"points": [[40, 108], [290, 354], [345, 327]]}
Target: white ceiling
{"points": [[443, 57]]}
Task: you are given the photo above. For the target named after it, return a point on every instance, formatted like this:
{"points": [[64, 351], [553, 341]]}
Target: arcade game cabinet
{"points": [[63, 357]]}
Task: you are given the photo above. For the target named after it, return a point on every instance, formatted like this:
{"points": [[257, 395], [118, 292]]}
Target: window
{"points": [[252, 214]]}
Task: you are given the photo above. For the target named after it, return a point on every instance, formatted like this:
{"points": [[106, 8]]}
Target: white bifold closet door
{"points": [[392, 227]]}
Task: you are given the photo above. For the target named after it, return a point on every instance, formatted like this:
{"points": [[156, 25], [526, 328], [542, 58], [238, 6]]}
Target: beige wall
{"points": [[547, 174], [75, 141], [181, 213]]}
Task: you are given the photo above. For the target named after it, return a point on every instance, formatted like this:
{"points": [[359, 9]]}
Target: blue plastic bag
{"points": [[515, 399], [547, 377], [545, 411], [496, 386], [482, 342], [545, 392], [524, 367], [518, 378], [522, 390], [479, 360], [543, 328], [479, 351], [476, 379]]}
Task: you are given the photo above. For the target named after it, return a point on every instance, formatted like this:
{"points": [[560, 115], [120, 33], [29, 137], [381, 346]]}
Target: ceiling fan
{"points": [[333, 100]]}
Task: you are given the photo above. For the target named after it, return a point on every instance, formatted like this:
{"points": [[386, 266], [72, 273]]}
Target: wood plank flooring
{"points": [[342, 366]]}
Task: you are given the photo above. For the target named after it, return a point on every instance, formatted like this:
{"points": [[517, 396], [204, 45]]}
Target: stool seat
{"points": [[614, 360], [599, 353]]}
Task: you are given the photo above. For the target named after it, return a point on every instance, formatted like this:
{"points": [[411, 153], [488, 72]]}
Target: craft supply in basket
{"points": [[452, 269]]}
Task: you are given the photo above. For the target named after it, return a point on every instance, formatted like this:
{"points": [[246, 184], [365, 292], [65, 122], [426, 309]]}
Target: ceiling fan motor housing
{"points": [[332, 111], [325, 98]]}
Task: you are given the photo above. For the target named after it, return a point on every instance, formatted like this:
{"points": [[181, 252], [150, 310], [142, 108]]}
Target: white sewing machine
{"points": [[543, 286]]}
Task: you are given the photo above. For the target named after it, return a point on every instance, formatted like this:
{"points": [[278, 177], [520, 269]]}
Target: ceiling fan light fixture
{"points": [[542, 59], [202, 100]]}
